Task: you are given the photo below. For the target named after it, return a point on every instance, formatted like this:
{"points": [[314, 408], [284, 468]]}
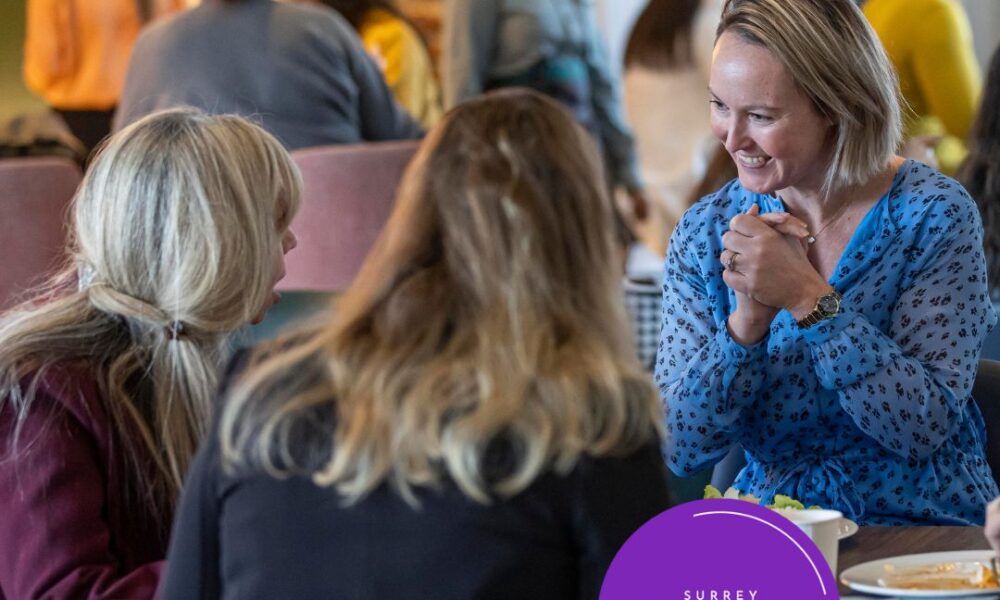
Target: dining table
{"points": [[878, 542]]}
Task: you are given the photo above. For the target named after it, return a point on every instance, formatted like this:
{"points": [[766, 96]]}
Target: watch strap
{"points": [[817, 313]]}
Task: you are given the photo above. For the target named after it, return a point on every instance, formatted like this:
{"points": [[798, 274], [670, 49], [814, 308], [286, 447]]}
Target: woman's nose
{"points": [[736, 137], [290, 241]]}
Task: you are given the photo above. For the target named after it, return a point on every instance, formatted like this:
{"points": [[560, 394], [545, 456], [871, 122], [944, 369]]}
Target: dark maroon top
{"points": [[67, 526]]}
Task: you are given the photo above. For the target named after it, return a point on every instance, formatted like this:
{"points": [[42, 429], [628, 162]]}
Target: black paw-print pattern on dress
{"points": [[870, 412]]}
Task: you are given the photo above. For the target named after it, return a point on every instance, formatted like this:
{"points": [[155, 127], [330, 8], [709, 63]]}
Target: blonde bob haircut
{"points": [[175, 230], [837, 60], [484, 340]]}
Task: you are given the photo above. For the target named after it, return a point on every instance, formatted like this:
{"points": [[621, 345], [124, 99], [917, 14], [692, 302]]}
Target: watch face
{"points": [[829, 305]]}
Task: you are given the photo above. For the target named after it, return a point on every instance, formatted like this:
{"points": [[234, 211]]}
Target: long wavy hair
{"points": [[175, 229], [980, 172], [484, 340]]}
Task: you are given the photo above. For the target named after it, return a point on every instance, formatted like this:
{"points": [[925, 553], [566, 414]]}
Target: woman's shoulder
{"points": [[915, 176], [924, 196], [69, 386], [60, 392]]}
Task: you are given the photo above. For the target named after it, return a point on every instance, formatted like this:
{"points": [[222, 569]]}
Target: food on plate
{"points": [[940, 576], [780, 501]]}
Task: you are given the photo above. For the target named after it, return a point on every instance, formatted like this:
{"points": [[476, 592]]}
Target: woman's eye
{"points": [[717, 105], [759, 117]]}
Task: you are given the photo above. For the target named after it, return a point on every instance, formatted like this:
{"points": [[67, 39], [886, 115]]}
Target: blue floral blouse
{"points": [[870, 412]]}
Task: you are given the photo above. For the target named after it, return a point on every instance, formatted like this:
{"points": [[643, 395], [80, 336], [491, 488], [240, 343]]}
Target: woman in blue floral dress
{"points": [[826, 310]]}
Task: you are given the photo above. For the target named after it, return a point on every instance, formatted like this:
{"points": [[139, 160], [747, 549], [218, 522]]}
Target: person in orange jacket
{"points": [[76, 53]]}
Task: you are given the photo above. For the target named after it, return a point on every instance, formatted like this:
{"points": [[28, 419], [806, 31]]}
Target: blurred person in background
{"points": [[980, 173], [474, 394], [553, 47], [299, 70], [930, 45], [76, 53], [667, 61], [399, 50], [106, 377]]}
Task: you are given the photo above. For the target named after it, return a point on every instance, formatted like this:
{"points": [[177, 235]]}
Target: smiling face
{"points": [[769, 126]]}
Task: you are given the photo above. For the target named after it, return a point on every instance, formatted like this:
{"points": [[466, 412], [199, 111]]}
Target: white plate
{"points": [[847, 528], [864, 577]]}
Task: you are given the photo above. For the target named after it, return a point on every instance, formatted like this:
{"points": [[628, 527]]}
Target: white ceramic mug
{"points": [[823, 528]]}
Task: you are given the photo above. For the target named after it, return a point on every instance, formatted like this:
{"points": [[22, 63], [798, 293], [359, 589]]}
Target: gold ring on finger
{"points": [[730, 263]]}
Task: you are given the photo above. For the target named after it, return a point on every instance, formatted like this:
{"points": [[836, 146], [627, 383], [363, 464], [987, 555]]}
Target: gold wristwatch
{"points": [[827, 307]]}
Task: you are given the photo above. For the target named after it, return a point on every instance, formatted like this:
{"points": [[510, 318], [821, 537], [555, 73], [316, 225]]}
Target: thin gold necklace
{"points": [[840, 211]]}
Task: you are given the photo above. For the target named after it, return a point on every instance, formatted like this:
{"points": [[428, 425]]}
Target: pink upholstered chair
{"points": [[348, 194], [35, 194]]}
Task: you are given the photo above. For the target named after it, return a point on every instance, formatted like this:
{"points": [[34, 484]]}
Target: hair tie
{"points": [[175, 330], [86, 275]]}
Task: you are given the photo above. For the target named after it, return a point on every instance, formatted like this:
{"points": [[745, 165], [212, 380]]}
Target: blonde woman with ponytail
{"points": [[106, 378], [471, 422]]}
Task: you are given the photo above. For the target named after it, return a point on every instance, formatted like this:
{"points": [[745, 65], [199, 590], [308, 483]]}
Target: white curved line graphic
{"points": [[774, 527]]}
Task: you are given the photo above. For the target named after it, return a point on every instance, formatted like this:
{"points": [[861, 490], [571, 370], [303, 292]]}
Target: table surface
{"points": [[874, 543]]}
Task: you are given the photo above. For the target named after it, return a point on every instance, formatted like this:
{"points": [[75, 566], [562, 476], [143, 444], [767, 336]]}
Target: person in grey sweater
{"points": [[299, 70]]}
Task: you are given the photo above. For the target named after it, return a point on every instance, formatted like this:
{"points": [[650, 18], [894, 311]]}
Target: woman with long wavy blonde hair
{"points": [[107, 377], [474, 396]]}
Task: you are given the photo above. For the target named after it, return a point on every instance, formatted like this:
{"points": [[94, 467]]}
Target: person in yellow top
{"points": [[394, 42], [930, 44], [76, 53]]}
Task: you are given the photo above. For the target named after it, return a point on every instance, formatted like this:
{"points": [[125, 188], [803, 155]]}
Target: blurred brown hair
{"points": [[661, 36]]}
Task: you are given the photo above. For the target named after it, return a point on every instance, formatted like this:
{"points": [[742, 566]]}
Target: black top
{"points": [[254, 536]]}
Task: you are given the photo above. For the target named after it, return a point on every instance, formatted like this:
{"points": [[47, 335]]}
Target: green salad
{"points": [[780, 501]]}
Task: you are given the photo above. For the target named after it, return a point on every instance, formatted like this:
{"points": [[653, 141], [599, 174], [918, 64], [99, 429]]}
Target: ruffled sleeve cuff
{"points": [[826, 330], [735, 352], [741, 369]]}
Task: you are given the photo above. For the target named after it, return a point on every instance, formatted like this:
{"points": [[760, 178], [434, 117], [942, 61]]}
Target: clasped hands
{"points": [[766, 263]]}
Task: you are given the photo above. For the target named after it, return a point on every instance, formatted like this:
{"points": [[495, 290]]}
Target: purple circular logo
{"points": [[719, 550]]}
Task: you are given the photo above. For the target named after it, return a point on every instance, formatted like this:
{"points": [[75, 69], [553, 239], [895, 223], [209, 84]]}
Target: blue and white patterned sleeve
{"points": [[908, 389], [705, 377]]}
